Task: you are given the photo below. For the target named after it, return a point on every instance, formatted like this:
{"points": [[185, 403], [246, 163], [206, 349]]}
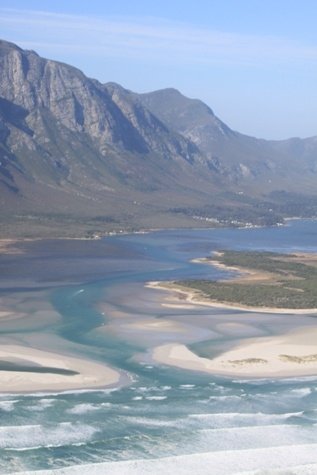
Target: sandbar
{"points": [[52, 371], [290, 355], [244, 274], [8, 246], [187, 295]]}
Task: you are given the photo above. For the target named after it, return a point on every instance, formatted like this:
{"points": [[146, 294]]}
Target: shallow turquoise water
{"points": [[243, 425]]}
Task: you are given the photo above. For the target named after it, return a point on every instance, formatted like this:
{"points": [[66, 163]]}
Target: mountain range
{"points": [[79, 157]]}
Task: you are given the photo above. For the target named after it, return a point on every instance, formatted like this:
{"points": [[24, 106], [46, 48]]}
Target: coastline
{"points": [[291, 355], [7, 246], [88, 374], [52, 371], [187, 295], [250, 275], [244, 274]]}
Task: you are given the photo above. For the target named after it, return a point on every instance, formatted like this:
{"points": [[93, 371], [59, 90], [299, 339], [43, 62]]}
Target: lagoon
{"points": [[88, 300]]}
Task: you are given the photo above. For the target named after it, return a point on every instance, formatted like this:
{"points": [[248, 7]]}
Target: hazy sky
{"points": [[254, 62]]}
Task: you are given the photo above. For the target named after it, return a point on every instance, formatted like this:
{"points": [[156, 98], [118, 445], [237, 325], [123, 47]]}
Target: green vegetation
{"points": [[291, 282]]}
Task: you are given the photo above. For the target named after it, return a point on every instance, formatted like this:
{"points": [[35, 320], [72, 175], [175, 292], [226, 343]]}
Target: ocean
{"points": [[89, 298]]}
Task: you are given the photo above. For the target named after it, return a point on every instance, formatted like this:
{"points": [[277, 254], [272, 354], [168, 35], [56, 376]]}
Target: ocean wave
{"points": [[248, 437], [284, 381], [155, 398], [145, 389], [282, 460], [224, 419], [36, 436], [232, 397], [146, 421], [310, 469], [43, 394], [42, 404], [301, 391], [84, 408], [7, 406]]}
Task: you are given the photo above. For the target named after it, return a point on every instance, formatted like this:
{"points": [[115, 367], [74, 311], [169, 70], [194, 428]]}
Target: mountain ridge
{"points": [[76, 151]]}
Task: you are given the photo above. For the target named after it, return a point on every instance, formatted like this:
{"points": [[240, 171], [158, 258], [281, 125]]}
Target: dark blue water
{"points": [[97, 291]]}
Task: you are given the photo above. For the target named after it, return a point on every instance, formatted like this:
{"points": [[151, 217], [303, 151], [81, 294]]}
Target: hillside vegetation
{"points": [[82, 158]]}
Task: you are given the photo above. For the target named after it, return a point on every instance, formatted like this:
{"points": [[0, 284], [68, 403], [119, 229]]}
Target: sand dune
{"points": [[291, 355]]}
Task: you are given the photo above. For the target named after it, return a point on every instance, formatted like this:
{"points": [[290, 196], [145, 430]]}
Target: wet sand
{"points": [[156, 325], [165, 338], [290, 355], [52, 371]]}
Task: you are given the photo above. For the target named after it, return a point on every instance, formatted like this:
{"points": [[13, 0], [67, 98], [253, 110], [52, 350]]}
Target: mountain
{"points": [[78, 157], [238, 157]]}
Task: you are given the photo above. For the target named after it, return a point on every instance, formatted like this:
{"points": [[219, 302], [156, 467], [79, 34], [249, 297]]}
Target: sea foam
{"points": [[84, 408], [232, 419], [7, 406], [37, 436], [297, 460]]}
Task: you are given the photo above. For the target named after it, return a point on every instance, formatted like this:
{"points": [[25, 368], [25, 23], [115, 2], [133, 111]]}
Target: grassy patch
{"points": [[293, 282]]}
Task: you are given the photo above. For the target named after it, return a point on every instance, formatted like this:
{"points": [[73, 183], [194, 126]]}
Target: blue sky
{"points": [[253, 62]]}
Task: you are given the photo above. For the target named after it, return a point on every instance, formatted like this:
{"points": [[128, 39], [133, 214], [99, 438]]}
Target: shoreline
{"points": [[52, 371], [289, 355], [285, 356], [195, 297], [145, 230], [244, 274], [7, 246]]}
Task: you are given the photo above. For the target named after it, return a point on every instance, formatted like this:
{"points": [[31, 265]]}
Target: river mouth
{"points": [[88, 301]]}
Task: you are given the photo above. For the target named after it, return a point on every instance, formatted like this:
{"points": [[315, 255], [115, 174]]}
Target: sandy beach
{"points": [[186, 296], [9, 246], [290, 355], [243, 274], [78, 373]]}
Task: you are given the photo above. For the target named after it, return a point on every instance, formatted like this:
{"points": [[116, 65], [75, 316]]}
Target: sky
{"points": [[254, 62]]}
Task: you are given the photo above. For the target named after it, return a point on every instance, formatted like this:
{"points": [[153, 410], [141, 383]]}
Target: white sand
{"points": [[90, 374], [291, 355], [244, 274], [186, 295]]}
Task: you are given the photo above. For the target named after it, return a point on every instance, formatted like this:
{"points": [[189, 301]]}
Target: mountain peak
{"points": [[70, 145], [190, 117]]}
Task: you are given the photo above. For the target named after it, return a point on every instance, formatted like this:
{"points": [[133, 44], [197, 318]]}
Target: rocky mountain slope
{"points": [[80, 156], [237, 156]]}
